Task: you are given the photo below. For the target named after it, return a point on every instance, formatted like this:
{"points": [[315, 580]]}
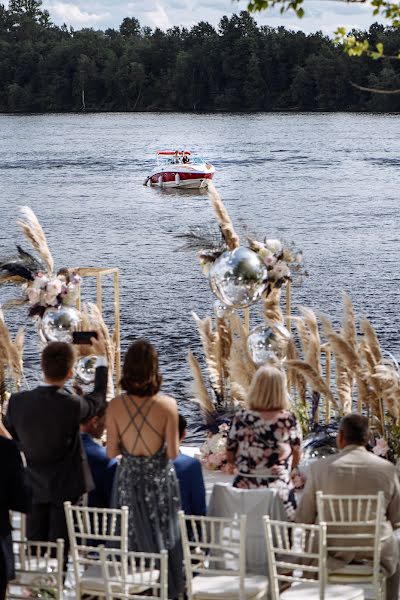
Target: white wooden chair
{"points": [[215, 560], [296, 557], [38, 568], [127, 575], [354, 526], [88, 528]]}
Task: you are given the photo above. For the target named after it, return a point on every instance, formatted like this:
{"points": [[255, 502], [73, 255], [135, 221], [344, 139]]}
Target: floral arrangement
{"points": [[278, 259], [213, 450], [49, 291]]}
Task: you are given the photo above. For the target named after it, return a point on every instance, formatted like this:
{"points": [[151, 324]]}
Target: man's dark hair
{"points": [[100, 413], [182, 425], [354, 428], [57, 360]]}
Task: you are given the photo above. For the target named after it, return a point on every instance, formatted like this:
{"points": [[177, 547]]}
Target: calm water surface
{"points": [[329, 182]]}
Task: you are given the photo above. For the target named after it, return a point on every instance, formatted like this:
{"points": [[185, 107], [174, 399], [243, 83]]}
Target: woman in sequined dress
{"points": [[142, 425], [264, 441]]}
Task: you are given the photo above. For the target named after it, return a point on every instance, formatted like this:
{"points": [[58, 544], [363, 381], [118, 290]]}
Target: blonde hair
{"points": [[268, 390]]}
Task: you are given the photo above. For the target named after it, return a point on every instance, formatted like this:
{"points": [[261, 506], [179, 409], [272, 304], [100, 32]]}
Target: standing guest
{"points": [[142, 424], [265, 438], [15, 494], [354, 470], [45, 421], [102, 468], [190, 477]]}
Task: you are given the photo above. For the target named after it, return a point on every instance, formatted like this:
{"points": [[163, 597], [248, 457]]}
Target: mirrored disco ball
{"points": [[238, 277], [267, 343], [319, 445], [222, 311], [85, 369], [58, 323]]}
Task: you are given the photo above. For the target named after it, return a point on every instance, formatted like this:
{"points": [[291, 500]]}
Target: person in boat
{"points": [[185, 159]]}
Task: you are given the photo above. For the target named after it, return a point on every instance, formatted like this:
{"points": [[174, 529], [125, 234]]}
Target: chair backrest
{"points": [[216, 547], [128, 574], [353, 523], [294, 551], [88, 528], [38, 567]]}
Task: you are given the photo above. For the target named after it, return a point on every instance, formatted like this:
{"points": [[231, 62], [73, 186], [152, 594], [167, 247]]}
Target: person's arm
{"points": [[113, 439], [4, 432], [198, 491], [171, 429], [296, 438], [92, 402], [7, 422], [307, 510], [19, 493]]}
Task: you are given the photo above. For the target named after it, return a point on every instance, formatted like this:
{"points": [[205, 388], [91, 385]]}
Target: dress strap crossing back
{"points": [[143, 413]]}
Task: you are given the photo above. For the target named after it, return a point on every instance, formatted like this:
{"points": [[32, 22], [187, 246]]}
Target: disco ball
{"points": [[267, 343], [238, 277], [222, 311], [58, 323], [85, 369], [319, 445]]}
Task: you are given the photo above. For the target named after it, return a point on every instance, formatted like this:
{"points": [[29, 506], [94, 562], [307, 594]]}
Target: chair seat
{"points": [[310, 591], [92, 580], [227, 586]]}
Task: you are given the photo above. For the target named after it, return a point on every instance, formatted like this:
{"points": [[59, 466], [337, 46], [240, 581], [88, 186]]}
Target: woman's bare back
{"points": [[140, 425]]}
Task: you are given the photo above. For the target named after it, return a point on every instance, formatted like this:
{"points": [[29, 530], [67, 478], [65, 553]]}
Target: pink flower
{"points": [[54, 287], [381, 448], [280, 270], [33, 295], [49, 299]]}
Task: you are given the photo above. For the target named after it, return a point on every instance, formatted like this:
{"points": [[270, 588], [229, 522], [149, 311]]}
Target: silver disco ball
{"points": [[85, 369], [58, 323], [238, 277], [268, 343], [222, 311]]}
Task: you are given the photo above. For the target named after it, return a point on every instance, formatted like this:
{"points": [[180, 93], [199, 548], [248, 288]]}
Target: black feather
{"points": [[199, 237], [24, 265]]}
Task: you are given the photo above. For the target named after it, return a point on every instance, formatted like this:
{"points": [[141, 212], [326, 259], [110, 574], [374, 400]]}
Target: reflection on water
{"points": [[329, 182]]}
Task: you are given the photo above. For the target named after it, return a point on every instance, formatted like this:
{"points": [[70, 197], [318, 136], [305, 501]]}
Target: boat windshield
{"points": [[185, 159]]}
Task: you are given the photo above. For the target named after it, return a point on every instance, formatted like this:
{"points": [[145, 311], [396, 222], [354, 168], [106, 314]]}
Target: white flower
{"points": [[274, 246], [381, 448], [280, 270]]}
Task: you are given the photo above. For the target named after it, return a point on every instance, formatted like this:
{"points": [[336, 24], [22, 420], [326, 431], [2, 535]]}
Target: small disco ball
{"points": [[319, 445], [58, 323], [85, 369], [268, 343], [222, 311], [238, 277]]}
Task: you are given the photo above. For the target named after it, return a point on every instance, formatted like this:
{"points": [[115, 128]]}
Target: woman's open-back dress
{"points": [[149, 487]]}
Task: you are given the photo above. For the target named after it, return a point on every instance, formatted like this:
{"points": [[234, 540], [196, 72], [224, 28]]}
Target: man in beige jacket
{"points": [[354, 470]]}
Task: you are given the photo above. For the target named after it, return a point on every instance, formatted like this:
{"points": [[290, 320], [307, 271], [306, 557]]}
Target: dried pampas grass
{"points": [[313, 352], [371, 341], [349, 331], [315, 380], [212, 355], [295, 379], [34, 233], [272, 307], [224, 220], [200, 389], [11, 352]]}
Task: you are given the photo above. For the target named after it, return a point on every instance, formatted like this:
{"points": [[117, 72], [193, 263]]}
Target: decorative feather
{"points": [[201, 393], [5, 279], [230, 236], [203, 238], [209, 340], [315, 380], [34, 233], [14, 303], [272, 307]]}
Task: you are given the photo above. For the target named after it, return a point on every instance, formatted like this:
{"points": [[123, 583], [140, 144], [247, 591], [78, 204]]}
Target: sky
{"points": [[323, 15]]}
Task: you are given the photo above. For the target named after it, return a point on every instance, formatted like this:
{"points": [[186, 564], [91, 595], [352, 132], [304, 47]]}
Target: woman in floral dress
{"points": [[264, 441]]}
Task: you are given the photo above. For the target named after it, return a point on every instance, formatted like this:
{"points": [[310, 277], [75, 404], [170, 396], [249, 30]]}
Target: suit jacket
{"points": [[45, 421], [15, 492], [103, 471], [354, 470], [191, 483]]}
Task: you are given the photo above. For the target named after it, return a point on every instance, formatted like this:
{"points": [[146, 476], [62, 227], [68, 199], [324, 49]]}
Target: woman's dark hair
{"points": [[140, 373]]}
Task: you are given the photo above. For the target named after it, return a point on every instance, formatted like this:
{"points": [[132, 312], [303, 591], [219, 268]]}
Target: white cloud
{"points": [[321, 15]]}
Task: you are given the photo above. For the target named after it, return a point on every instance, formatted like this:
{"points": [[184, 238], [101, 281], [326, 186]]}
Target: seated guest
{"points": [[265, 438], [45, 421], [102, 468], [190, 478], [354, 471], [15, 494]]}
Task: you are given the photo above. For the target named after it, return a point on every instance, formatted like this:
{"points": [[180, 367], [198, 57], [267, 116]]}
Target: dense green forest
{"points": [[235, 67]]}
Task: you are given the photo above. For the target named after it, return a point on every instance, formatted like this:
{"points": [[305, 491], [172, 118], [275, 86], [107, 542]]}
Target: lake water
{"points": [[328, 182]]}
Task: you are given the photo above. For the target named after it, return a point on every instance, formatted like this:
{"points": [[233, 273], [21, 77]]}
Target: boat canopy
{"points": [[173, 153]]}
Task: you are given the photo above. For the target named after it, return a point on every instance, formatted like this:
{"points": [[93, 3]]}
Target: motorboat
{"points": [[180, 169]]}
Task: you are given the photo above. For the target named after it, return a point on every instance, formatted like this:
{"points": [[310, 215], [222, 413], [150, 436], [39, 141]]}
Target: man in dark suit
{"points": [[45, 421], [190, 477], [103, 469], [15, 494]]}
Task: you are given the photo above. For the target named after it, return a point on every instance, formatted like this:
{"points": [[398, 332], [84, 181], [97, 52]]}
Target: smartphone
{"points": [[83, 337]]}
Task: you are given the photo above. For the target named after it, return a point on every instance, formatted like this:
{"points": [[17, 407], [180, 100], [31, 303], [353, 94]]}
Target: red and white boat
{"points": [[180, 169]]}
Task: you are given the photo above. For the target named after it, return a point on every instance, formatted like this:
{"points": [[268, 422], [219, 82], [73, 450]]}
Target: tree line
{"points": [[238, 66]]}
